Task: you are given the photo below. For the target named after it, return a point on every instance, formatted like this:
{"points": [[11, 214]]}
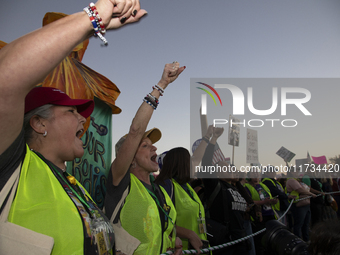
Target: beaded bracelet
{"points": [[99, 19], [161, 91], [149, 103], [153, 97], [149, 99], [97, 23]]}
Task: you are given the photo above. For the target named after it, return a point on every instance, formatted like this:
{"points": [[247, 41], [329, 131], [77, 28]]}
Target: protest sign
{"points": [[285, 154], [252, 146]]}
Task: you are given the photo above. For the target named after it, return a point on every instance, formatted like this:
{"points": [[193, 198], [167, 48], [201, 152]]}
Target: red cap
{"points": [[40, 96]]}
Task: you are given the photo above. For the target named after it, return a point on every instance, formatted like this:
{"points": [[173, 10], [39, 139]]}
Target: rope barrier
{"points": [[243, 238]]}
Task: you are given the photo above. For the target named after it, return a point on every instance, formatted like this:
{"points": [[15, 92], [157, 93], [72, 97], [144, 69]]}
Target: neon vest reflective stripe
{"points": [[255, 195], [188, 211], [42, 205], [140, 218], [277, 205], [293, 192]]}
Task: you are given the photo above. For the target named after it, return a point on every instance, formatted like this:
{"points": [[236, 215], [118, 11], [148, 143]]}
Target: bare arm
{"points": [[316, 191], [22, 69], [192, 237], [266, 201], [199, 152], [303, 191], [128, 149]]}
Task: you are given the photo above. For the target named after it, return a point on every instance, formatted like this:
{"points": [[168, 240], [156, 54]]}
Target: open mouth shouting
{"points": [[153, 159], [80, 133]]}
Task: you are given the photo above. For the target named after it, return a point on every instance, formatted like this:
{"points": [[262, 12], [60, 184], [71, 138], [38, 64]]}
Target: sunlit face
{"points": [[64, 129], [145, 157]]}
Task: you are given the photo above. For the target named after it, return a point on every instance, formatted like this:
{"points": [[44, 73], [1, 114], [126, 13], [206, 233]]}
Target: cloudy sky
{"points": [[214, 39]]}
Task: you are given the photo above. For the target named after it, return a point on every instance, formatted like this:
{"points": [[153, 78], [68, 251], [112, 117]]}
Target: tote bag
{"points": [[15, 239]]}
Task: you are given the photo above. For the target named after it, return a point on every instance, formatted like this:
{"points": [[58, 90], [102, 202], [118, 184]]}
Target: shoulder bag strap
{"points": [[12, 183], [211, 199], [213, 195], [125, 193]]}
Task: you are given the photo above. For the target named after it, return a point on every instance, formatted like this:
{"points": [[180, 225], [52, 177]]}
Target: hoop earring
{"points": [[45, 134]]}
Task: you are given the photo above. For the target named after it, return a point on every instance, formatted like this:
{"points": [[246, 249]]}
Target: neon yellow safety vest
{"points": [[277, 205], [42, 205], [255, 195], [188, 211], [140, 218], [293, 192]]}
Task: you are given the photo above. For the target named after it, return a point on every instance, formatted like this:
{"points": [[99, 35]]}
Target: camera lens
{"points": [[280, 241]]}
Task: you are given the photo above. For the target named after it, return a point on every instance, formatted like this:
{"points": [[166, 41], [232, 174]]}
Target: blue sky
{"points": [[214, 39]]}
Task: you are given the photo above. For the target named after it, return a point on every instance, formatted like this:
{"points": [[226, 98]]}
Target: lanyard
{"points": [[81, 197], [157, 202]]}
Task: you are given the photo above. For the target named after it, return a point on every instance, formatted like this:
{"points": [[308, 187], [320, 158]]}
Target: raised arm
{"points": [[22, 69], [199, 152], [129, 147]]}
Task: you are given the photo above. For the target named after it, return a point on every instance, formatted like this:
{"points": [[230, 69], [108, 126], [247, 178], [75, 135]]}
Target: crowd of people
{"points": [[41, 128], [300, 203]]}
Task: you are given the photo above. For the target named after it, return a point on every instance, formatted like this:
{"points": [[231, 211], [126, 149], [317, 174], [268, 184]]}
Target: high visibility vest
{"points": [[277, 205], [190, 212], [42, 205], [293, 192], [256, 196], [140, 218]]}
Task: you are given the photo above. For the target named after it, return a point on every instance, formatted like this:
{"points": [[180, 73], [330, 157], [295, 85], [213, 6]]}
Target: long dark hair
{"points": [[325, 238], [176, 164]]}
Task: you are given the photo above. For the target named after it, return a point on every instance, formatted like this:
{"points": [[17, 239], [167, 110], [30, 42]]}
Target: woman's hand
{"points": [[274, 201], [291, 197], [209, 131], [170, 73], [116, 13], [218, 131], [178, 246], [313, 195], [267, 201], [196, 242]]}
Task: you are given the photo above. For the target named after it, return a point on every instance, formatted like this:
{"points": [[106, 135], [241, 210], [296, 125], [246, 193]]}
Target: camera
{"points": [[279, 240]]}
